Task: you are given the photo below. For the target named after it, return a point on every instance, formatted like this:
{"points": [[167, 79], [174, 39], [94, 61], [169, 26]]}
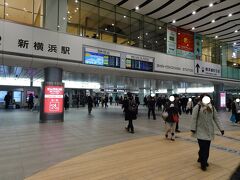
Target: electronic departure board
{"points": [[100, 59], [139, 65]]}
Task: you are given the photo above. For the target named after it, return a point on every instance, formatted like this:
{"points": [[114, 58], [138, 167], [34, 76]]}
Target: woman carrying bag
{"points": [[203, 119]]}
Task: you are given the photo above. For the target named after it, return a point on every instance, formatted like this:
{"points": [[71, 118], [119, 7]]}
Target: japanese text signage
{"points": [[205, 68], [40, 42], [53, 99]]}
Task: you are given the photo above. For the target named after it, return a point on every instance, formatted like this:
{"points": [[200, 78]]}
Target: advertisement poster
{"points": [[185, 44], [53, 99], [222, 99], [197, 46], [171, 40]]}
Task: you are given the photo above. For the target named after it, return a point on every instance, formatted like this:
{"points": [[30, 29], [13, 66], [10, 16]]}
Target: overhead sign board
{"points": [[208, 69], [172, 64]]}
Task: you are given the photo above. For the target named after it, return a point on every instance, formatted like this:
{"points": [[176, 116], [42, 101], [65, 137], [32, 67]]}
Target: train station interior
{"points": [[116, 89]]}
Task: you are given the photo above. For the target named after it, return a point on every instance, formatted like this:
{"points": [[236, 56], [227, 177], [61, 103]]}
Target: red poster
{"points": [[185, 40], [53, 99]]}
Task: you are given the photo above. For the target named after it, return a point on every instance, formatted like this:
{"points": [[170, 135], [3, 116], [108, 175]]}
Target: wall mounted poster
{"points": [[185, 43], [171, 40], [197, 46]]}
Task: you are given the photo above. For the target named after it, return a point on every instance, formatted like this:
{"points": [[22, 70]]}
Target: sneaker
{"points": [[200, 161]]}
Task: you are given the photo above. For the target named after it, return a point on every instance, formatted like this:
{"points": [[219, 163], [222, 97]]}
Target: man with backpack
{"points": [[130, 109]]}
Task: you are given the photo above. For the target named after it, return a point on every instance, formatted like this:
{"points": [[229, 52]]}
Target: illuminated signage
{"points": [[53, 99], [222, 99]]}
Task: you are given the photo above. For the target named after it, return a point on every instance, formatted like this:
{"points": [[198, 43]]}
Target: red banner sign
{"points": [[185, 40], [53, 99]]}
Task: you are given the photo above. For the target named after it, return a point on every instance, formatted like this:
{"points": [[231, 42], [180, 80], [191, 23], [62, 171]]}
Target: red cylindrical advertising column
{"points": [[52, 99]]}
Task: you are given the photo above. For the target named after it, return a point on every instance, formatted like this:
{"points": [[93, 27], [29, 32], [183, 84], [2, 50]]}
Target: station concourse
{"points": [[118, 89]]}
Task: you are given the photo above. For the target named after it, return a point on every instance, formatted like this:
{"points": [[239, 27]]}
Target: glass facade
{"points": [[101, 20]]}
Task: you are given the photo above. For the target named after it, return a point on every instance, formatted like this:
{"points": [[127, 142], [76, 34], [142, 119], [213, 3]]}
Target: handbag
{"points": [[233, 118], [175, 118], [165, 115]]}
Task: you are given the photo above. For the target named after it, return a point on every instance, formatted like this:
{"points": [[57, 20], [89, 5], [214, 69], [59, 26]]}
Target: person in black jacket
{"points": [[151, 107], [130, 109], [7, 100], [90, 104]]}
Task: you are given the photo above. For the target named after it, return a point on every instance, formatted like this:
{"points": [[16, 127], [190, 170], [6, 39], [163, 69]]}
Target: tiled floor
{"points": [[27, 147]]}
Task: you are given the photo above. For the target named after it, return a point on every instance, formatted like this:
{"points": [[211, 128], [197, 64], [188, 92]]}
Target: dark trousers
{"points": [[203, 153], [130, 126], [177, 126], [153, 113]]}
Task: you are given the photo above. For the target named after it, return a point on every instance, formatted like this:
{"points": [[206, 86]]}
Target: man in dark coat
{"points": [[151, 107], [130, 113]]}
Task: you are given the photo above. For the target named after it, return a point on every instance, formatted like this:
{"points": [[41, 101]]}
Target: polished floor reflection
{"points": [[28, 147]]}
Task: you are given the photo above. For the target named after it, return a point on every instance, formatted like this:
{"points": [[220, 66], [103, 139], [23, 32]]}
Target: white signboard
{"points": [[208, 69], [140, 58], [40, 42], [17, 38], [172, 64], [171, 40]]}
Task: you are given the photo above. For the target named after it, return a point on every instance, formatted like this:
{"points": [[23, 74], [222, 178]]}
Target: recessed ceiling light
{"points": [[24, 9], [229, 15], [136, 8], [193, 28], [68, 12], [159, 27], [146, 33], [75, 10], [156, 42], [174, 21], [194, 12], [58, 26], [124, 16], [7, 14], [6, 4], [220, 46], [211, 5], [236, 31], [234, 64], [216, 37], [76, 1], [234, 43], [138, 37], [112, 24], [213, 21], [64, 18], [105, 29]]}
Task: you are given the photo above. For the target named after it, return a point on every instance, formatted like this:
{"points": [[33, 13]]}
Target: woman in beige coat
{"points": [[203, 119]]}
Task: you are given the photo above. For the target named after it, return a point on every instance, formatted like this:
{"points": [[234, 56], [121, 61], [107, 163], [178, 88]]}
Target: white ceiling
{"points": [[181, 11]]}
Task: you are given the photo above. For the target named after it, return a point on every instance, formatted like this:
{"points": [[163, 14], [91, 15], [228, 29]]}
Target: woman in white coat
{"points": [[203, 119]]}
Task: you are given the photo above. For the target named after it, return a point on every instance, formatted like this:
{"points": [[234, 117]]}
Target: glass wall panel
{"points": [[122, 28], [1, 9], [72, 17], [107, 25], [38, 13], [19, 11], [89, 20]]}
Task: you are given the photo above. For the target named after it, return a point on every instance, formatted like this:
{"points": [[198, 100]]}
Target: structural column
{"points": [[52, 99], [216, 95]]}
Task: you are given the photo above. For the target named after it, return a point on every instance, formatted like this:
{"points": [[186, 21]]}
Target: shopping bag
{"points": [[175, 118], [233, 118], [164, 115]]}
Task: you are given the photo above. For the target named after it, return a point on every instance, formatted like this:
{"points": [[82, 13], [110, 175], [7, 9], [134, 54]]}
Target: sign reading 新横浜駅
{"points": [[40, 42], [208, 69], [173, 64], [53, 99]]}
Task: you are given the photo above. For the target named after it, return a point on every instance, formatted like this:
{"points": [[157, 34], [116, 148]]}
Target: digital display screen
{"points": [[101, 59], [2, 95], [139, 65], [94, 58], [222, 99]]}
